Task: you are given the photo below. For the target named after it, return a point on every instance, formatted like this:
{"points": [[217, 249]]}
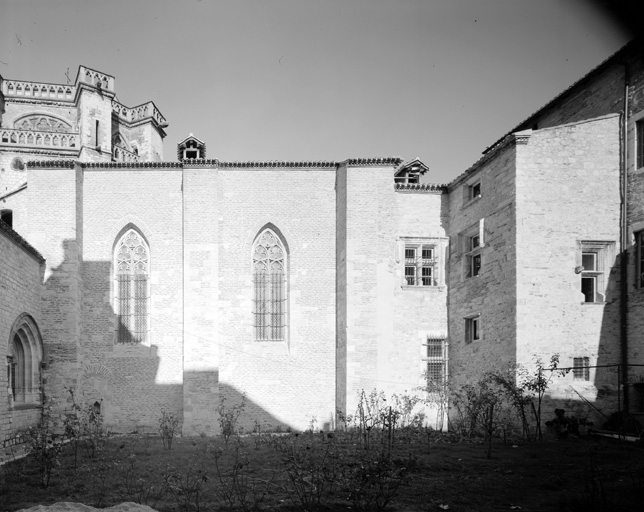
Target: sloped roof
{"points": [[526, 123]]}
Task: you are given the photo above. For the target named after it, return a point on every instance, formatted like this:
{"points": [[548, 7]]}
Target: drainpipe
{"points": [[624, 246]]}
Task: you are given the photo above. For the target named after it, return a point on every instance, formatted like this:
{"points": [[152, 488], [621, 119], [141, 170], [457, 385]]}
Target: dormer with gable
{"points": [[191, 148], [410, 173]]}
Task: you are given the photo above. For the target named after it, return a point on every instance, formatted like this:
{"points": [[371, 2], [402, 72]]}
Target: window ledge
{"points": [[436, 288], [24, 407], [593, 303], [470, 202]]}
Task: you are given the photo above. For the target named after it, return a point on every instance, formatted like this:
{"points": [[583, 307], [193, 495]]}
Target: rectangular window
{"points": [[419, 265], [639, 143], [474, 256], [581, 368], [639, 259], [471, 191], [436, 359], [472, 329], [595, 258], [475, 190]]}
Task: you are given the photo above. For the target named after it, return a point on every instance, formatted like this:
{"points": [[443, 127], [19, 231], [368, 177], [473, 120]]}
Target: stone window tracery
{"points": [[42, 123], [132, 288], [270, 299]]}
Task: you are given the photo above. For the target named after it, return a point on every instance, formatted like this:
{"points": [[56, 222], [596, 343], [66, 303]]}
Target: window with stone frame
{"points": [[132, 288], [472, 328], [435, 359], [596, 258], [270, 299], [581, 368], [471, 190], [23, 363], [472, 243], [639, 259], [420, 265]]}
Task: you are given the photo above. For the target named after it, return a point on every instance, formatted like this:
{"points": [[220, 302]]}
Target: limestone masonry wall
{"points": [[489, 297], [135, 381], [21, 275], [568, 194], [286, 382]]}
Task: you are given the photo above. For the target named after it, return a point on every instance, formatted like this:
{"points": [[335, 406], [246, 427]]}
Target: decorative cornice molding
{"points": [[51, 164], [15, 237], [420, 187], [522, 138], [276, 164], [354, 162], [130, 165], [56, 102]]}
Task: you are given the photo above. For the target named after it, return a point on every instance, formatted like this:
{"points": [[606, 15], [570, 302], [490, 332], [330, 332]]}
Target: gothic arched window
{"points": [[270, 301], [23, 361], [132, 288]]}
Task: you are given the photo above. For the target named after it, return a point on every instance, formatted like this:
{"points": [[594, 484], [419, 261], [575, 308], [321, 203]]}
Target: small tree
{"points": [[538, 383], [45, 445]]}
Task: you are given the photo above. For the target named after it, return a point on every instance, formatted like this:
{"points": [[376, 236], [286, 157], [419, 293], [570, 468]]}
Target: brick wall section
{"points": [[341, 291], [418, 311], [54, 198], [134, 381], [492, 293], [21, 275], [567, 192], [201, 289], [286, 382], [369, 273]]}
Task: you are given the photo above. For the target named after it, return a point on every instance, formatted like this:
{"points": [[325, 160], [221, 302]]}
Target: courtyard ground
{"points": [[415, 471]]}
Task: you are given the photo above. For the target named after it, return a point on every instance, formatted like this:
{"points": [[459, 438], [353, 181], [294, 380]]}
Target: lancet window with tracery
{"points": [[132, 287], [270, 299]]}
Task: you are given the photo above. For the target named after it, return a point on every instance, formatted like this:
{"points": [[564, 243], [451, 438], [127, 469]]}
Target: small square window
{"points": [[581, 368], [472, 329]]}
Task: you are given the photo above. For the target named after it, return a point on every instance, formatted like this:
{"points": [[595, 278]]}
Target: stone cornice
{"points": [[18, 240], [51, 164], [130, 165], [275, 164], [388, 161], [420, 187]]}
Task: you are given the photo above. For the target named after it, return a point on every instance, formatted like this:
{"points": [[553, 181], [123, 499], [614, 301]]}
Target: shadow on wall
{"points": [[595, 390], [89, 348]]}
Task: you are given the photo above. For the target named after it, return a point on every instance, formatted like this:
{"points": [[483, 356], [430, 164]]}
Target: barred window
{"points": [[132, 288], [436, 359], [581, 368], [270, 299]]}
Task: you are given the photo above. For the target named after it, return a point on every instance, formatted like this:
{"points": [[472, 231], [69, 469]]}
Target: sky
{"points": [[310, 80]]}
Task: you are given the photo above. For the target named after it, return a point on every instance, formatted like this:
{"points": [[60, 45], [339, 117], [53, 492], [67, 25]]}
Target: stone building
{"points": [[176, 284]]}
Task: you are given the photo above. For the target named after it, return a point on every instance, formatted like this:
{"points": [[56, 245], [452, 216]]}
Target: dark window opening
{"points": [[192, 154], [639, 143], [7, 217]]}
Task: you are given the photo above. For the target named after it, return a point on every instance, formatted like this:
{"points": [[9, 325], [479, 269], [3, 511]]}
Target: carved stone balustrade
{"points": [[135, 114], [37, 139], [123, 155], [18, 89]]}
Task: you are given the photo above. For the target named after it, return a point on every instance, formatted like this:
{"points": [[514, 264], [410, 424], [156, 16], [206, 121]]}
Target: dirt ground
{"points": [[333, 472]]}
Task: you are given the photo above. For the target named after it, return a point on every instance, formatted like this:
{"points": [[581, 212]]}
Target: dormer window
{"points": [[191, 149], [410, 173]]}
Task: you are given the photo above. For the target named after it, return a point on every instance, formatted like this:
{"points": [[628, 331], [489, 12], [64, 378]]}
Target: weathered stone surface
{"points": [[79, 507]]}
